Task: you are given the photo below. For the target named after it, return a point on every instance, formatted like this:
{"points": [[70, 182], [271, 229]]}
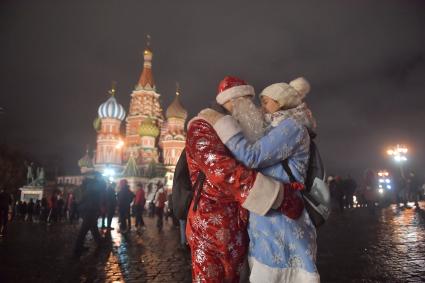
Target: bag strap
{"points": [[285, 164], [198, 188], [293, 180]]}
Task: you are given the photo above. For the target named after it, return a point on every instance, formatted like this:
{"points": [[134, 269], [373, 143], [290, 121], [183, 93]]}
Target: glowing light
{"points": [[119, 144], [389, 187], [387, 181], [398, 153], [381, 191], [381, 180], [383, 173], [108, 172]]}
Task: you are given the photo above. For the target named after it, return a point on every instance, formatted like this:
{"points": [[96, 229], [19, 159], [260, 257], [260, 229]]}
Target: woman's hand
{"points": [[210, 115]]}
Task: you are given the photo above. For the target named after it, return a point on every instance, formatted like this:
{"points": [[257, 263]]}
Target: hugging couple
{"points": [[249, 210]]}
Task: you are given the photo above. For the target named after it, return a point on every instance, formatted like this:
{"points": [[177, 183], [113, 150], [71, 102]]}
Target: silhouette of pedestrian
{"points": [[92, 188]]}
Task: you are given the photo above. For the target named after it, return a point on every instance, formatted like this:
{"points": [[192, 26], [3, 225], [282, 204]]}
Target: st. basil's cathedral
{"points": [[151, 145]]}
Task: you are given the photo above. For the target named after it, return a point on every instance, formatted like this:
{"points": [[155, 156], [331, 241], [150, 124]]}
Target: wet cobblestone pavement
{"points": [[353, 247]]}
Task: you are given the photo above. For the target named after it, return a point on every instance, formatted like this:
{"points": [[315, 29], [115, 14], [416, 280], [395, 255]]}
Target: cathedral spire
{"points": [[177, 88], [176, 110], [113, 89], [146, 80]]}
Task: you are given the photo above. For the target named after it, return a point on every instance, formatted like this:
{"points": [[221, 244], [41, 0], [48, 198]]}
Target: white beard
{"points": [[250, 118]]}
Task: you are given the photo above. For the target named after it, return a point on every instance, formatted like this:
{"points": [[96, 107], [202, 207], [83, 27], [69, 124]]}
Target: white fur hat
{"points": [[288, 95]]}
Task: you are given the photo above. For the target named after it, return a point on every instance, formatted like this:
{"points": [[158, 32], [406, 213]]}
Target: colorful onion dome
{"points": [[148, 128], [111, 109], [176, 110], [86, 161], [97, 123]]}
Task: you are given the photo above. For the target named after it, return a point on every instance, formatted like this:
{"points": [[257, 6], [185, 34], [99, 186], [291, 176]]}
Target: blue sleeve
{"points": [[274, 147], [276, 172]]}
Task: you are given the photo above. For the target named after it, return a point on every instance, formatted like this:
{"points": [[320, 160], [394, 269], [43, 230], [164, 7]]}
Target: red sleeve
{"points": [[206, 152]]}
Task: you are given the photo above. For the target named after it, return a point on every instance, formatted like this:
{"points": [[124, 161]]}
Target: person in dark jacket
{"points": [[60, 208], [37, 209], [5, 201], [53, 207], [23, 210], [125, 197], [350, 187], [91, 191], [139, 206], [108, 206], [30, 210]]}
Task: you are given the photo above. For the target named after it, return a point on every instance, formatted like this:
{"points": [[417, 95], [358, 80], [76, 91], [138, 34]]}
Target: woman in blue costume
{"points": [[282, 249]]}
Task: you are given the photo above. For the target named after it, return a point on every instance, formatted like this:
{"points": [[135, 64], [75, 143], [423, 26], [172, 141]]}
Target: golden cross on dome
{"points": [[148, 40], [177, 88], [113, 88]]}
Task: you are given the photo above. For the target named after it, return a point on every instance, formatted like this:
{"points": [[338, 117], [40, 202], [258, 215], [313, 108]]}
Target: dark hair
{"points": [[219, 108]]}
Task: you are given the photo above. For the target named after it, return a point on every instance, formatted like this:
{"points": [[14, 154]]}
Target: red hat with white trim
{"points": [[232, 87]]}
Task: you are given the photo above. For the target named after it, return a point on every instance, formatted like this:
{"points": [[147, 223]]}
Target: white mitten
{"points": [[210, 115]]}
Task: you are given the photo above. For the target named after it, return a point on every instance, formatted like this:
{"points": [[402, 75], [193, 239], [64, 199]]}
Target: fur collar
{"points": [[301, 114]]}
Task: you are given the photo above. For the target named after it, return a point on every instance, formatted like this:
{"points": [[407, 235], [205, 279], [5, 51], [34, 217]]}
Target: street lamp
{"points": [[399, 155]]}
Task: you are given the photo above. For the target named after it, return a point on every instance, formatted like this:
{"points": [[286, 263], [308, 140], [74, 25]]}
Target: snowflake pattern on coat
{"points": [[217, 230], [275, 239]]}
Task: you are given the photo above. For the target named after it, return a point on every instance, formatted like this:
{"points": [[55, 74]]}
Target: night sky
{"points": [[365, 61]]}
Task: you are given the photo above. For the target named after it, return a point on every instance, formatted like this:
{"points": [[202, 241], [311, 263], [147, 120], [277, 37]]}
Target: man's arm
{"points": [[274, 147], [255, 192]]}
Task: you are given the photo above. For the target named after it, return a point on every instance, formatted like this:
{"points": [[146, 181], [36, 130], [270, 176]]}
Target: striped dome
{"points": [[111, 109]]}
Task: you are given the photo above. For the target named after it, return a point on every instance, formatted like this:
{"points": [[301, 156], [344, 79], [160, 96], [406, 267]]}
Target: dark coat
{"points": [[91, 194]]}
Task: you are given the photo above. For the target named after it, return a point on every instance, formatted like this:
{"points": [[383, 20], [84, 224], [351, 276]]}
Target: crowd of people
{"points": [[346, 193], [100, 201]]}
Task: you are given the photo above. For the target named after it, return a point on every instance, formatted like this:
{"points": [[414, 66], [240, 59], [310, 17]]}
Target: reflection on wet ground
{"points": [[355, 246], [136, 256], [388, 246]]}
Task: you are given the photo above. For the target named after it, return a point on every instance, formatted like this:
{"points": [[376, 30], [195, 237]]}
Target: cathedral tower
{"points": [[144, 105], [109, 141], [173, 136]]}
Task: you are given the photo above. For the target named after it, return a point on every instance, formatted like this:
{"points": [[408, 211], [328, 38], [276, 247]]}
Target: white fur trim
{"points": [[279, 198], [301, 85], [226, 127], [194, 119], [235, 92], [261, 273], [263, 194]]}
